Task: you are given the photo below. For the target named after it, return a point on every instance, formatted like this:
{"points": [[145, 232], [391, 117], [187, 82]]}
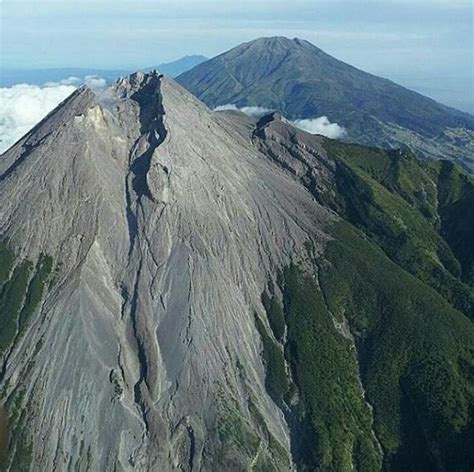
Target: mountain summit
{"points": [[303, 82], [182, 289]]}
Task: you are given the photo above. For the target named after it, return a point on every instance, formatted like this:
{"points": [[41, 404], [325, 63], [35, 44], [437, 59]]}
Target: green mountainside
{"points": [[377, 335]]}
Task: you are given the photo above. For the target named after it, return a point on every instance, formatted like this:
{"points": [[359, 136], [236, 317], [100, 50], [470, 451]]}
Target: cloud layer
{"points": [[256, 112], [320, 125], [92, 81], [23, 106]]}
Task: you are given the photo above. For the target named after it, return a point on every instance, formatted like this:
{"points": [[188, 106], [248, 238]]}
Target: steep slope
{"points": [[188, 290], [300, 80], [160, 226], [396, 282]]}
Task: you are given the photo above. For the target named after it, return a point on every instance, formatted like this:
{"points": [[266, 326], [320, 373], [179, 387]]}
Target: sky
{"points": [[426, 45]]}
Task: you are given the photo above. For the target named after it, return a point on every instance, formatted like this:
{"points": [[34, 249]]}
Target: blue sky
{"points": [[426, 44]]}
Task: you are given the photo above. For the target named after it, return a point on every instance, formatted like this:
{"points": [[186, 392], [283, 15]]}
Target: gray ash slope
{"points": [[163, 222], [162, 275], [301, 81]]}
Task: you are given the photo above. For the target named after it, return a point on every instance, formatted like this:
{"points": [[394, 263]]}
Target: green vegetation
{"points": [[335, 416], [11, 300], [456, 203], [237, 440], [418, 213], [7, 259], [19, 448], [276, 380], [277, 451], [21, 290], [416, 357], [398, 275], [35, 289], [275, 315], [411, 345]]}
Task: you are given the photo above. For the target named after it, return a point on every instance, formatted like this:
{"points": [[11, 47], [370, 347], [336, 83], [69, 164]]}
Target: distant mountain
{"points": [[9, 77], [175, 68], [302, 81], [183, 289]]}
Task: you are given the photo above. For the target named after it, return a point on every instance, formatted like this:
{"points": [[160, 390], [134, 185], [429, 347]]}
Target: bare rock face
{"points": [[164, 221]]}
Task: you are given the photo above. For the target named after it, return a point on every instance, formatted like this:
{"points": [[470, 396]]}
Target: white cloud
{"points": [[76, 81], [227, 106], [22, 106], [320, 125], [94, 82], [256, 112]]}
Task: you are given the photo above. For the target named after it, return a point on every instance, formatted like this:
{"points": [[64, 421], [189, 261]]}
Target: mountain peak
{"points": [[271, 44], [302, 81], [278, 40], [134, 210], [130, 84]]}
